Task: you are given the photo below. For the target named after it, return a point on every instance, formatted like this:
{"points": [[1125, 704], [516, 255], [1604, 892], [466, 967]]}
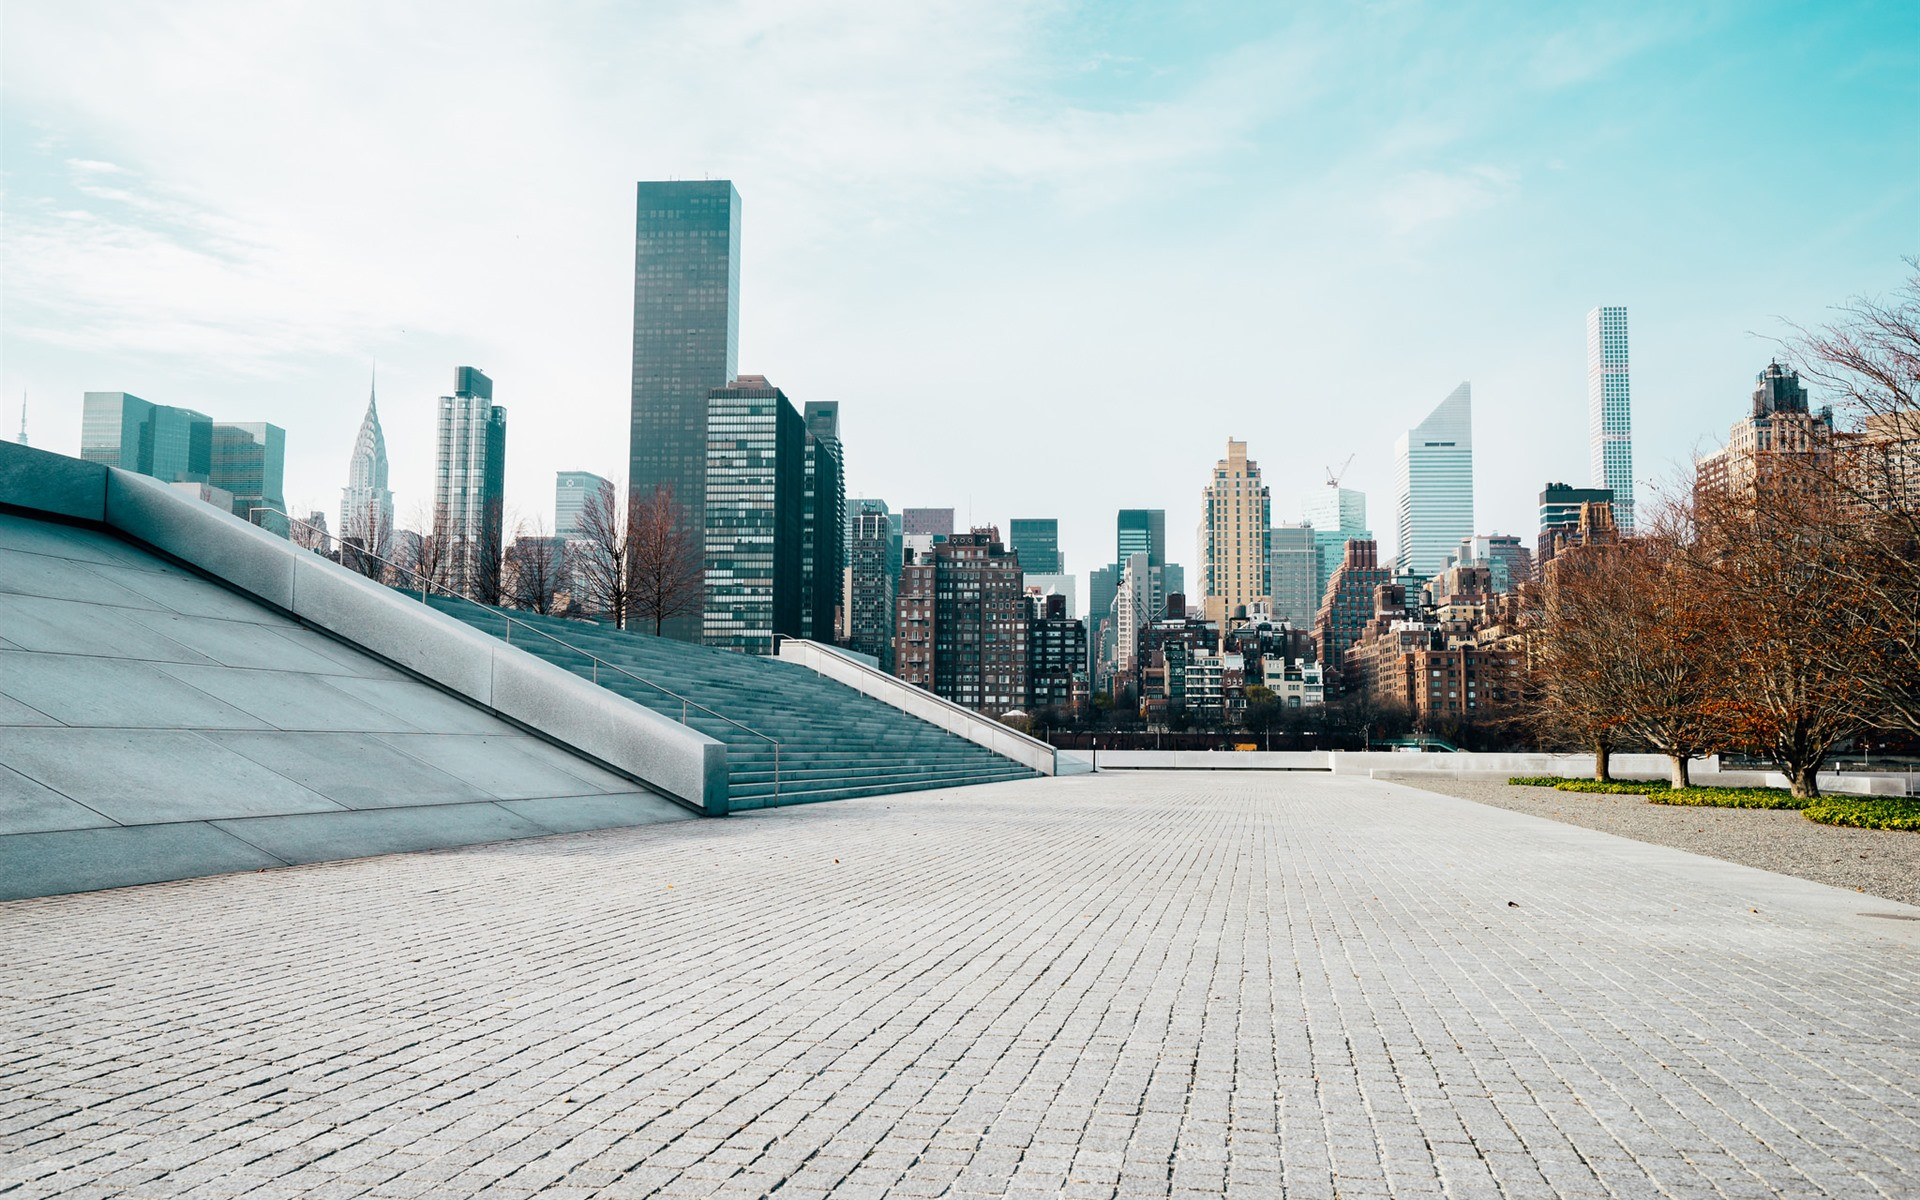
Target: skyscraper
{"points": [[366, 506], [250, 462], [469, 494], [1141, 531], [1433, 467], [686, 339], [571, 491], [873, 579], [823, 512], [1236, 513], [1293, 556], [1338, 516], [754, 485], [1610, 411], [174, 445], [1037, 541]]}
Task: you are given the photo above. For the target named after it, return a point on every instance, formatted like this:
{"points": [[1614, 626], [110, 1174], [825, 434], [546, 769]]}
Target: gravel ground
{"points": [[1879, 862]]}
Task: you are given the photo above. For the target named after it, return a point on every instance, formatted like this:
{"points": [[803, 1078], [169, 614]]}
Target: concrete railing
{"points": [[918, 702], [544, 699], [1705, 772]]}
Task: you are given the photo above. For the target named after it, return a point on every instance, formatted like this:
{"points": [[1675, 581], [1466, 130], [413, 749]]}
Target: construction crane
{"points": [[1334, 477]]}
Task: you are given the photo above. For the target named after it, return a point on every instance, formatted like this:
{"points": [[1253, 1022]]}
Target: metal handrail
{"points": [[686, 704]]}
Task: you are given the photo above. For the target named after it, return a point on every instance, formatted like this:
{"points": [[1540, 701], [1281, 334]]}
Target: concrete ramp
{"points": [[156, 724]]}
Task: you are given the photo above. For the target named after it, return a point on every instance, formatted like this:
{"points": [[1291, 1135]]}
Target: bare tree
{"points": [[432, 549], [535, 567], [667, 571], [603, 553], [1868, 361], [1794, 658], [1583, 645]]}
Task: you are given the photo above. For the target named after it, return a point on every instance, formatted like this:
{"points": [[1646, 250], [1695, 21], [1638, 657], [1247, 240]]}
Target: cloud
{"points": [[1423, 198]]}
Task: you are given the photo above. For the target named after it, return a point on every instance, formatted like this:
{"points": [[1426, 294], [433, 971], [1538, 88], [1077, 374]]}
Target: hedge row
{"points": [[1870, 812], [1864, 812]]}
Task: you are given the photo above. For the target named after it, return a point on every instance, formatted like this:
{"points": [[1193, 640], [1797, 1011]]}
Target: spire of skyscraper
{"points": [[366, 508]]}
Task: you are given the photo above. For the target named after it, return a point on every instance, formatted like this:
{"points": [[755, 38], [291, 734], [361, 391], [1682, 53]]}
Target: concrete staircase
{"points": [[834, 742]]}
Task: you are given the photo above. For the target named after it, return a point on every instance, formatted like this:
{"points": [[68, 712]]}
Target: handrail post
{"points": [[776, 774]]}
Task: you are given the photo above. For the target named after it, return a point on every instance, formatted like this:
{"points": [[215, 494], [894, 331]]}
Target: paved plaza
{"points": [[1157, 984]]}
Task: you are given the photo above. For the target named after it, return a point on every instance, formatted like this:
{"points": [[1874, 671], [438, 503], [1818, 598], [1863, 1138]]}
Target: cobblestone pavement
{"points": [[1141, 985]]}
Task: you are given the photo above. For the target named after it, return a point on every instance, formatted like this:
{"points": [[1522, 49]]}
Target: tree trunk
{"points": [[1602, 762], [1680, 777], [1805, 782]]}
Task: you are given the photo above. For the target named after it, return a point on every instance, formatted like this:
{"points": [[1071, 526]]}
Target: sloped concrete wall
{"points": [[155, 725], [980, 730]]}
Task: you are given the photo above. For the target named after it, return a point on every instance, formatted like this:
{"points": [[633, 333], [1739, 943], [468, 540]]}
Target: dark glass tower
{"points": [[686, 339], [1036, 540]]}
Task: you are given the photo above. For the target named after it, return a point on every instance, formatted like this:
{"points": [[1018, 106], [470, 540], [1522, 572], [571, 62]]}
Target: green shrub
{"points": [[1615, 787], [1867, 812], [1719, 797]]}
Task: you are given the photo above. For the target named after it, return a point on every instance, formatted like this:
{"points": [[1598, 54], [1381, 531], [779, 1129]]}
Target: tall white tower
{"points": [[1433, 463], [366, 507], [1610, 410]]}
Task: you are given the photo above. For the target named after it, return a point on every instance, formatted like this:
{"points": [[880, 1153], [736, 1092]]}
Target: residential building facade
{"points": [[873, 579], [1348, 604], [1236, 515], [961, 625]]}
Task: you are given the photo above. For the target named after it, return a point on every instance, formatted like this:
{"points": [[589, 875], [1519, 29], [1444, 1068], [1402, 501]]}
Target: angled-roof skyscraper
{"points": [[366, 506], [686, 339], [1433, 468]]}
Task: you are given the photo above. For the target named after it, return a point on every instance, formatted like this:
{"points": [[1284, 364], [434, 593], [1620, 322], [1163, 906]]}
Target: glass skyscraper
{"points": [[1338, 516], [754, 487], [469, 494], [174, 445], [1293, 558], [1037, 541], [1433, 468], [571, 491], [686, 338], [1610, 411], [1141, 530], [823, 510], [250, 461]]}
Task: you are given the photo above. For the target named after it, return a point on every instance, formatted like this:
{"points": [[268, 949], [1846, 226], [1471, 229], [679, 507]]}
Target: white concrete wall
{"points": [[1705, 771], [918, 702], [558, 705]]}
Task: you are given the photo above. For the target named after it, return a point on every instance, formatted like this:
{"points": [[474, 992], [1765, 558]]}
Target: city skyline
{"points": [[230, 277]]}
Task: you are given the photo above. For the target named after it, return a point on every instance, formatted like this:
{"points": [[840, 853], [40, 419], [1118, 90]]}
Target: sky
{"points": [[1049, 256]]}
